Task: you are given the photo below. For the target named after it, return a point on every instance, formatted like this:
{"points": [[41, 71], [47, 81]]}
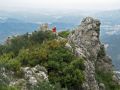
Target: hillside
{"points": [[17, 23], [69, 60]]}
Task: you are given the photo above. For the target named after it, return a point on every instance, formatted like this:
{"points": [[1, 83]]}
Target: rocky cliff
{"points": [[86, 43]]}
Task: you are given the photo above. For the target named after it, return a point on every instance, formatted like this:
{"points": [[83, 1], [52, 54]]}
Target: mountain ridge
{"points": [[75, 59]]}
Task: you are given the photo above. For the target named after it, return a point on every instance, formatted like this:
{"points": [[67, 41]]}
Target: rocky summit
{"points": [[75, 60], [87, 44]]}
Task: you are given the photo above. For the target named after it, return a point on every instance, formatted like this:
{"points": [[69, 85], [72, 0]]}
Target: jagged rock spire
{"points": [[87, 44]]}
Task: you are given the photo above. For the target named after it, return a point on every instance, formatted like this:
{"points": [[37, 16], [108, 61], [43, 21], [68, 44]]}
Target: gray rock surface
{"points": [[29, 79], [35, 74], [87, 44]]}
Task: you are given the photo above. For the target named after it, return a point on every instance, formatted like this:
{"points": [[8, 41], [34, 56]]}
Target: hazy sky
{"points": [[59, 4]]}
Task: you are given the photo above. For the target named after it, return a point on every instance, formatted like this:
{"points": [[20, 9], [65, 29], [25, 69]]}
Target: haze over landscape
{"points": [[27, 15], [59, 45]]}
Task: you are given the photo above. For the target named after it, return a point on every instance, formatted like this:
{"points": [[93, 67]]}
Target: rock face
{"points": [[35, 74], [86, 43], [30, 77]]}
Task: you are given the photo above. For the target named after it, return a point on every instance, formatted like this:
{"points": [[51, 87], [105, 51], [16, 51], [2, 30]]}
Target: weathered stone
{"points": [[31, 77], [68, 46], [86, 38], [20, 83], [102, 86], [35, 74]]}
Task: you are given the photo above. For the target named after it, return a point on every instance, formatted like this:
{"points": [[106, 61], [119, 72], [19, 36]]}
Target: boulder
{"points": [[34, 74]]}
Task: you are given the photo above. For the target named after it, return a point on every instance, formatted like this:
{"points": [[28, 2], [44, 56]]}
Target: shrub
{"points": [[64, 34], [48, 86], [5, 87], [61, 62], [42, 48], [14, 65], [40, 36], [106, 78], [25, 41], [73, 75]]}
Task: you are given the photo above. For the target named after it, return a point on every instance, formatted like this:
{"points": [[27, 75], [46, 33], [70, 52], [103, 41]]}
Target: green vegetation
{"points": [[42, 47], [64, 34], [48, 86], [105, 77], [7, 88], [4, 81], [26, 41]]}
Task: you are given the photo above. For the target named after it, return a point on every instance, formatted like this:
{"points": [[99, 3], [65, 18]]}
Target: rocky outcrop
{"points": [[35, 74], [85, 43], [30, 77]]}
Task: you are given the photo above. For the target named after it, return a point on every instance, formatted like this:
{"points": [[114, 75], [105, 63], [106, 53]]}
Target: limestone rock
{"points": [[20, 83], [35, 74], [102, 86], [87, 44], [31, 77], [68, 46]]}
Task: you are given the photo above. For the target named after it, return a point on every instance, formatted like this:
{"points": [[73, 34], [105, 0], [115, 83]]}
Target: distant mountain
{"points": [[62, 26], [10, 26]]}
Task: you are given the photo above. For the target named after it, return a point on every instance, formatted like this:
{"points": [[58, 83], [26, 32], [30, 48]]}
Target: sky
{"points": [[85, 5]]}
